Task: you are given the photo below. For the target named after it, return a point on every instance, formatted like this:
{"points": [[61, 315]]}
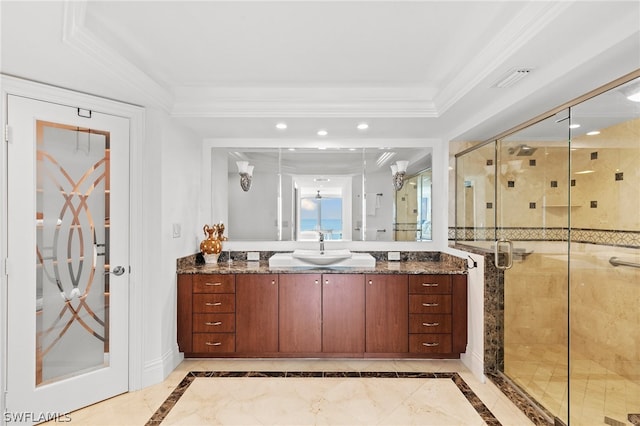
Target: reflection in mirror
{"points": [[347, 194], [413, 209]]}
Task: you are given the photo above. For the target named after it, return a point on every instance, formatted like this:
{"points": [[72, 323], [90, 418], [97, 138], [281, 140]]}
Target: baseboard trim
{"points": [[475, 363], [155, 371]]}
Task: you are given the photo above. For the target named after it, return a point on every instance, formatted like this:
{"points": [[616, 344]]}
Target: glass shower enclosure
{"points": [[557, 204]]}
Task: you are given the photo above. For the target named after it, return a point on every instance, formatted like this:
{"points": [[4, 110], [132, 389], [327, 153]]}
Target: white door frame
{"points": [[136, 115]]}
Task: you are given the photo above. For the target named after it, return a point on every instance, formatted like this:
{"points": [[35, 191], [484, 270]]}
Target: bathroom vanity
{"points": [[406, 309]]}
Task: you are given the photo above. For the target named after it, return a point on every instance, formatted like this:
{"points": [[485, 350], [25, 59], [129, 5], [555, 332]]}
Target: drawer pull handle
{"points": [[213, 323], [429, 284], [213, 304], [430, 345], [213, 343], [431, 324], [216, 284], [430, 304]]}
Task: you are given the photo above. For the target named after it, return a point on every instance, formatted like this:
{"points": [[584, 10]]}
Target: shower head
{"points": [[522, 150]]}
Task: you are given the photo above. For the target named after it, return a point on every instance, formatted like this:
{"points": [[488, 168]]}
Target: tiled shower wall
{"points": [[605, 222]]}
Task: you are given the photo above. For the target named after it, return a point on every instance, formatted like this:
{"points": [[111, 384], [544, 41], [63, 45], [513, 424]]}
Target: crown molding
{"points": [[76, 35], [221, 108], [531, 20]]}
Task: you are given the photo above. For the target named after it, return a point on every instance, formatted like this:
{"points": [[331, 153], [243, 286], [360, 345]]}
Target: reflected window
{"points": [[322, 204], [320, 214]]}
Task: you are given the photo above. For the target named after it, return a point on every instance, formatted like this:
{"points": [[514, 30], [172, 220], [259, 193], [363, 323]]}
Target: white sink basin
{"points": [[325, 259], [318, 257]]}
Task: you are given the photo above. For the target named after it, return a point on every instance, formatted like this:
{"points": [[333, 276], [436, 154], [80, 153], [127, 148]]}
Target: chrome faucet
{"points": [[321, 242]]}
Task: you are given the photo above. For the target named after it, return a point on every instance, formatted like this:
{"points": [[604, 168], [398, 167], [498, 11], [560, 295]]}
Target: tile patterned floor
{"points": [[355, 396], [596, 392]]}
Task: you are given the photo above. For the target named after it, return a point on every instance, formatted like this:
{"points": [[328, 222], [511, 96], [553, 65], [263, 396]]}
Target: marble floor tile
{"points": [[355, 396]]}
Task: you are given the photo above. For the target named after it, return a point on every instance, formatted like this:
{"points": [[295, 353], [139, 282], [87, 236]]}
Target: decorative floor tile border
{"points": [[164, 409]]}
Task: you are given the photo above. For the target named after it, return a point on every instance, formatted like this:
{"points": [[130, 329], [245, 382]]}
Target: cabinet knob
{"points": [[370, 282], [214, 284], [273, 282], [316, 281], [430, 284], [430, 324], [326, 281], [430, 344], [213, 343], [213, 304], [430, 304], [213, 323]]}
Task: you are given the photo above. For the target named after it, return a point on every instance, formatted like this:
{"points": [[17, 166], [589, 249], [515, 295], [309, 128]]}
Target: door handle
{"points": [[118, 270], [508, 252]]}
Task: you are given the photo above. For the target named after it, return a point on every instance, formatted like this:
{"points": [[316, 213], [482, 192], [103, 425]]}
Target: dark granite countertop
{"points": [[445, 265]]}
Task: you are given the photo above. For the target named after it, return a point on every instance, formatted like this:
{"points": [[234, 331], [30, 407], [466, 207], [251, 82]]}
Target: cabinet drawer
{"points": [[214, 323], [429, 304], [429, 323], [430, 284], [214, 342], [214, 283], [212, 302], [430, 343]]}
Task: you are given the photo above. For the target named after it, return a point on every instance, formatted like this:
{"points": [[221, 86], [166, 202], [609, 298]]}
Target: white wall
{"points": [[171, 196]]}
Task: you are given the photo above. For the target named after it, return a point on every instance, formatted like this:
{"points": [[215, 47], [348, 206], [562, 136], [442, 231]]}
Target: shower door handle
{"points": [[508, 252]]}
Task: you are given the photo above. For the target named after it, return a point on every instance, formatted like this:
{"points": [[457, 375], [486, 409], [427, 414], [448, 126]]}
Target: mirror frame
{"points": [[214, 198]]}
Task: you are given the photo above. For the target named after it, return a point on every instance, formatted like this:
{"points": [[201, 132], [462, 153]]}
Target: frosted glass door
{"points": [[72, 231]]}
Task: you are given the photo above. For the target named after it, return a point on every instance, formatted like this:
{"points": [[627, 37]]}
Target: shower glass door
{"points": [[605, 259], [531, 248]]}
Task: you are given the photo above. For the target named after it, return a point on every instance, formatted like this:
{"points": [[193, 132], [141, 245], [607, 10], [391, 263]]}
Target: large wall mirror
{"points": [[345, 194]]}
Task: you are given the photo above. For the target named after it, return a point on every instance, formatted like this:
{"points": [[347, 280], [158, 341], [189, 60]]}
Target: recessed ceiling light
{"points": [[292, 149], [363, 126], [593, 133], [281, 126], [322, 148], [574, 126], [322, 133]]}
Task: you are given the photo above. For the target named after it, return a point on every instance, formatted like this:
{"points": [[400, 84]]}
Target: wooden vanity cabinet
{"points": [[437, 314], [206, 313], [315, 315], [386, 313], [257, 313], [321, 313]]}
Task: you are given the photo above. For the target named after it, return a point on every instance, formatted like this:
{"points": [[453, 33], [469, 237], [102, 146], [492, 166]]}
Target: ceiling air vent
{"points": [[513, 76]]}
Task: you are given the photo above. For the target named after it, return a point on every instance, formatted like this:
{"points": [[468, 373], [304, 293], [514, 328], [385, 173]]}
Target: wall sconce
{"points": [[246, 173], [398, 171]]}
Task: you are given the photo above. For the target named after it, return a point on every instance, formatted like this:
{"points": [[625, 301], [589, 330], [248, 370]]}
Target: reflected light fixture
{"points": [[398, 170], [632, 92], [246, 174]]}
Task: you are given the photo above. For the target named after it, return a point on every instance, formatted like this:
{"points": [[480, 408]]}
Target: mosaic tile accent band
{"points": [[161, 413], [629, 239]]}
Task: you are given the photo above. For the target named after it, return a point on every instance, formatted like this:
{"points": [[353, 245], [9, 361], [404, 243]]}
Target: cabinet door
{"points": [[300, 322], [387, 313], [257, 313], [185, 312], [343, 313]]}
